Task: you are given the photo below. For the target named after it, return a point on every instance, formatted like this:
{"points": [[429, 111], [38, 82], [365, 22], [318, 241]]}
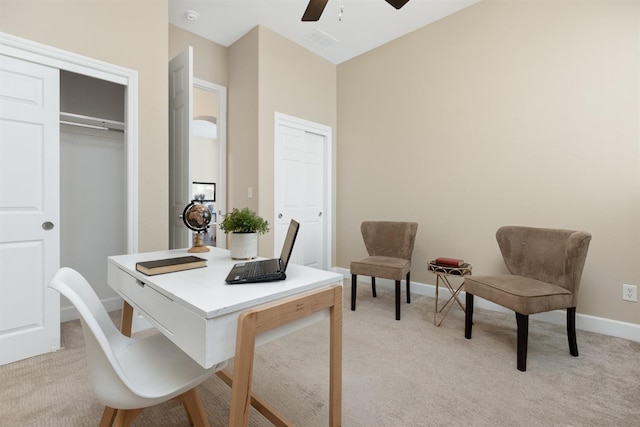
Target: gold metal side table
{"points": [[443, 272]]}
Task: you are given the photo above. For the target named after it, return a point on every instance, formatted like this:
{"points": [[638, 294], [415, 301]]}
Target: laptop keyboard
{"points": [[260, 268], [251, 269]]}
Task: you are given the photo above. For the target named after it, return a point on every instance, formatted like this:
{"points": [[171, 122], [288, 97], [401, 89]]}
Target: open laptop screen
{"points": [[289, 240]]}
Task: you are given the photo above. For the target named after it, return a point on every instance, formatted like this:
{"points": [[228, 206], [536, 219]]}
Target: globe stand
{"points": [[197, 217], [198, 245]]}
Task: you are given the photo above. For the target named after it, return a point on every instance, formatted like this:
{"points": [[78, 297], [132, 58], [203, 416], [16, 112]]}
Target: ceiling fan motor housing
{"points": [[316, 7]]}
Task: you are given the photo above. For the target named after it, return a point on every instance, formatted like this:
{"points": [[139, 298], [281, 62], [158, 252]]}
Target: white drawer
{"points": [[185, 328], [153, 305]]}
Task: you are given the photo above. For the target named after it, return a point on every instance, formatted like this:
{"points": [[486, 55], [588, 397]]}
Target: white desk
{"points": [[199, 312]]}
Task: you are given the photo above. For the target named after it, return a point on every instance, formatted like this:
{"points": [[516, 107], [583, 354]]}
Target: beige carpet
{"points": [[395, 373]]}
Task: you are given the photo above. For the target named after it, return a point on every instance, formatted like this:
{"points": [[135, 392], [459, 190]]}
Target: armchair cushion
{"points": [[381, 266], [520, 294]]}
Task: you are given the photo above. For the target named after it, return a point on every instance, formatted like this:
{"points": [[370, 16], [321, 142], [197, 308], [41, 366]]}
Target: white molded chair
{"points": [[129, 374]]}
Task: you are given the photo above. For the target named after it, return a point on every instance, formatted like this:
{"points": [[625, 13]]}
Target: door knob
{"points": [[47, 225], [279, 216], [319, 213]]}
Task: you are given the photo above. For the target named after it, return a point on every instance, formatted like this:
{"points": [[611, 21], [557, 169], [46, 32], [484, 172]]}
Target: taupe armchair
{"points": [[546, 268], [390, 246]]}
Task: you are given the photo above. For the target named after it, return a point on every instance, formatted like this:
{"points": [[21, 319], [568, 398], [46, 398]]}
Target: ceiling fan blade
{"points": [[314, 10], [397, 3]]}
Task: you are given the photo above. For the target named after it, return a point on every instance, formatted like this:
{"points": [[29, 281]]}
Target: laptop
{"points": [[267, 270]]}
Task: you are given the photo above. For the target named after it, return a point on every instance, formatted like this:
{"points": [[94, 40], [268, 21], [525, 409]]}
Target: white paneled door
{"points": [[180, 119], [29, 209], [302, 188]]}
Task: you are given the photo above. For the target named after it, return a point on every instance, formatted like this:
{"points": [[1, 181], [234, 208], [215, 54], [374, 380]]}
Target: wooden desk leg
{"points": [[243, 362], [335, 361], [126, 319], [268, 411], [265, 318]]}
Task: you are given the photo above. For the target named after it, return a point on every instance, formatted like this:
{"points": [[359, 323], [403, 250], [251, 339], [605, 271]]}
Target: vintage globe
{"points": [[196, 216]]}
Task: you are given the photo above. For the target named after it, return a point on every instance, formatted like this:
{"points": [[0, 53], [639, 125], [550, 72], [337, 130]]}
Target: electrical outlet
{"points": [[630, 293]]}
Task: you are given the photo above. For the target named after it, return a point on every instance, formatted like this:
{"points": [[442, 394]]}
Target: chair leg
{"points": [[373, 286], [523, 333], [124, 417], [194, 409], [409, 288], [468, 316], [571, 331], [397, 299], [108, 416], [353, 291]]}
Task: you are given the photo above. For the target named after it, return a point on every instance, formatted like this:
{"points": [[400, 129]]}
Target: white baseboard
{"points": [[584, 322], [111, 304], [70, 313]]}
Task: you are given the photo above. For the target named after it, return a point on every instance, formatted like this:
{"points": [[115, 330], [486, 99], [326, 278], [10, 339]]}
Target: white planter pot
{"points": [[244, 245]]}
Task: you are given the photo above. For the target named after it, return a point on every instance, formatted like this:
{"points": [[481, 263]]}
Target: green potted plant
{"points": [[244, 226]]}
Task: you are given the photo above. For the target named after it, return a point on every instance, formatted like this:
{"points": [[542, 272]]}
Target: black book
{"points": [[170, 265]]}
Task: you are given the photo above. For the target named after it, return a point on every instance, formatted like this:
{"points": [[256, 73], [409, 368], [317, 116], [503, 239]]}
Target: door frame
{"points": [[221, 186], [39, 53], [326, 132]]}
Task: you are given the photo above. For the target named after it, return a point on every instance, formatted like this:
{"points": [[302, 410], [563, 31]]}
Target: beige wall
{"points": [[131, 34], [268, 73], [296, 82], [519, 113], [242, 121], [204, 154], [209, 58], [205, 103]]}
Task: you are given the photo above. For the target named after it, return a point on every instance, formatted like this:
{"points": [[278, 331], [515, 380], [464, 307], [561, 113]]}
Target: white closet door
{"points": [[29, 209], [302, 188]]}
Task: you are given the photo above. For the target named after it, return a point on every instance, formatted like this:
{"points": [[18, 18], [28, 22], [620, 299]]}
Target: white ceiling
{"points": [[365, 24]]}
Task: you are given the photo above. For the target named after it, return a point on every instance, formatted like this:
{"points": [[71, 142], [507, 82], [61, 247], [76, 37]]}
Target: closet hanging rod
{"points": [[90, 122]]}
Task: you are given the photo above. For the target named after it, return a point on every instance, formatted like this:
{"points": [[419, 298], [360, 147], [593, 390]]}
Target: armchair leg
{"points": [[571, 331], [397, 299], [409, 288], [468, 316], [373, 286], [523, 333], [353, 291]]}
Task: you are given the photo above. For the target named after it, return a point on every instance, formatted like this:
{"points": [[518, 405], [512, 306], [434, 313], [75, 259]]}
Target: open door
{"points": [[180, 126]]}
